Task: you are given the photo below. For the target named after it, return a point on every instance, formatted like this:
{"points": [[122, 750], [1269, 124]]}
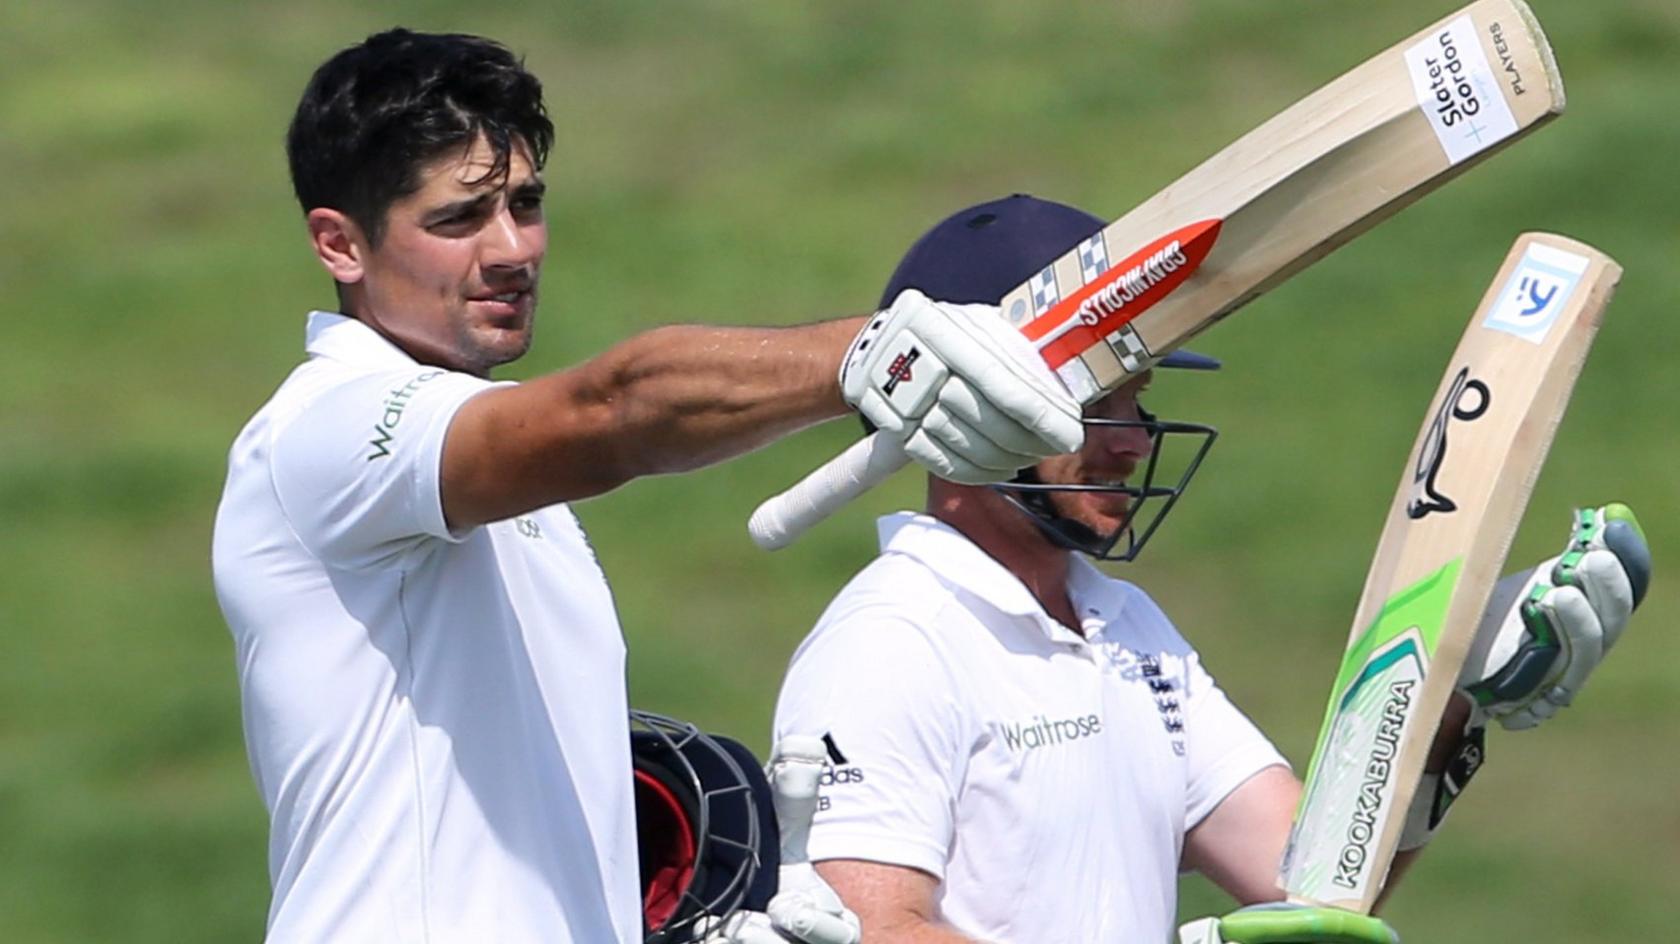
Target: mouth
{"points": [[501, 305], [1113, 504]]}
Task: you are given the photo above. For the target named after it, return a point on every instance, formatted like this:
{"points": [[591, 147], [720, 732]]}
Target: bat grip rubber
{"points": [[781, 519]]}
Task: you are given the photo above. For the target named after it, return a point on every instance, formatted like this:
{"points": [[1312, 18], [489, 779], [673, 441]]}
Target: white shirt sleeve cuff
{"points": [[1232, 771], [885, 849]]}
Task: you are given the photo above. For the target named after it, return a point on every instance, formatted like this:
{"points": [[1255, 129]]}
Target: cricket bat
{"points": [[1449, 527], [1277, 199]]}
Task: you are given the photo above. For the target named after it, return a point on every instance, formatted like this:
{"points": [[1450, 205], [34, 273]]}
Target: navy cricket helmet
{"points": [[979, 254], [705, 827]]}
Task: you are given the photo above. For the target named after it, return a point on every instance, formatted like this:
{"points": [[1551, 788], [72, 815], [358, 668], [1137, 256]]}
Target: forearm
{"points": [[666, 400], [686, 396], [915, 931], [1238, 845], [894, 904]]}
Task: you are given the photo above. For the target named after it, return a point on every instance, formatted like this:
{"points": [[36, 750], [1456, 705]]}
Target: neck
{"points": [[1010, 538]]}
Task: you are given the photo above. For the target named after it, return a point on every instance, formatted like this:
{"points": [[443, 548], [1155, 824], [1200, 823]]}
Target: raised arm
{"points": [[667, 400], [1545, 630], [961, 390]]}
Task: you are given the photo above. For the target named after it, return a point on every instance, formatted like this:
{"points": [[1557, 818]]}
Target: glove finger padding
{"points": [[879, 411], [1281, 923], [742, 927], [936, 458], [804, 908], [976, 442], [959, 400], [919, 358], [1546, 630], [1284, 923], [1608, 588], [978, 344], [1582, 643], [797, 915]]}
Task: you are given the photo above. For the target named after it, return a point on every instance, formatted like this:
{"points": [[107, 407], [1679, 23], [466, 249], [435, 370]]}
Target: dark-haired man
{"points": [[1027, 750], [431, 668]]}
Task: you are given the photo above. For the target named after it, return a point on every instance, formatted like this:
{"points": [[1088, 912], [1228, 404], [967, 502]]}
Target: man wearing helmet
{"points": [[1026, 749]]}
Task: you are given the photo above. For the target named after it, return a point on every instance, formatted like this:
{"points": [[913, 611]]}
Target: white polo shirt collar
{"points": [[343, 338], [957, 560]]}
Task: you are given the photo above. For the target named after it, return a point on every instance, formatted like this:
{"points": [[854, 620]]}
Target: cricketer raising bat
{"points": [[1282, 196], [1461, 497]]}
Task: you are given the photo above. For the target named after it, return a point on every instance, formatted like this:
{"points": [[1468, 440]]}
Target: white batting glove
{"points": [[1282, 923], [757, 927], [960, 388], [1544, 631], [805, 908]]}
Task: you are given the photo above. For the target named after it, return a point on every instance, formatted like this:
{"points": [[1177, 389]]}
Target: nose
{"points": [[510, 244], [1126, 442]]}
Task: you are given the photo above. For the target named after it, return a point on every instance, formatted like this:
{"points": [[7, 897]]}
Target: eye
{"points": [[453, 223], [527, 205]]}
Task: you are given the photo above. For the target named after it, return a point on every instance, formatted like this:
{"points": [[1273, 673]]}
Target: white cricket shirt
{"points": [[436, 721], [1046, 779]]}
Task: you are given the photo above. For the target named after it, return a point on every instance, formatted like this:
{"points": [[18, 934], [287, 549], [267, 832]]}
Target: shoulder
{"points": [[363, 413], [885, 643], [1142, 617], [352, 456], [894, 601], [384, 394]]}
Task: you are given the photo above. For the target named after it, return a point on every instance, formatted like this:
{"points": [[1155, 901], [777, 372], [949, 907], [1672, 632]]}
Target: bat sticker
{"points": [[1456, 90], [1536, 291], [1121, 292], [1426, 495]]}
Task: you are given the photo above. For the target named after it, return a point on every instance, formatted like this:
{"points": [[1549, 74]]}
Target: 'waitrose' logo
{"points": [[1042, 732], [384, 431]]}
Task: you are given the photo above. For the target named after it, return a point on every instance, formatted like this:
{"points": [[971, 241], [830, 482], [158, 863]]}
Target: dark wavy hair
{"points": [[377, 112]]}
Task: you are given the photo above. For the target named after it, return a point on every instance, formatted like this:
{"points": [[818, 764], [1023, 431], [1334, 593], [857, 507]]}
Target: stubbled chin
{"points": [[493, 346], [1102, 515], [512, 345], [1109, 506]]}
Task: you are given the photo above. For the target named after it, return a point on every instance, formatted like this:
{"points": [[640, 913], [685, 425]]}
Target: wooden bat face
{"points": [[1472, 467]]}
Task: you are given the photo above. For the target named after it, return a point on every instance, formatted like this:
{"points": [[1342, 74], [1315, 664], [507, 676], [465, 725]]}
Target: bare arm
{"points": [[894, 903], [668, 400], [1240, 844]]}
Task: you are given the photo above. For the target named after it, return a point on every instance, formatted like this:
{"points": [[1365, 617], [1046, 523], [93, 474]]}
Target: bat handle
{"points": [[781, 519]]}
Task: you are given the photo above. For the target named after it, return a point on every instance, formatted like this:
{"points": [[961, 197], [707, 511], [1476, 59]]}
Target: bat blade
{"points": [[1277, 199], [1461, 497]]}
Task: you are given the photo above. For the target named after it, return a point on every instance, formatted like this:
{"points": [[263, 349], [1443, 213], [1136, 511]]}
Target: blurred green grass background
{"points": [[764, 163]]}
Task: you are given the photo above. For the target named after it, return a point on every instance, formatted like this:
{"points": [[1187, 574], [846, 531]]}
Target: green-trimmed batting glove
{"points": [[1282, 923], [1544, 631]]}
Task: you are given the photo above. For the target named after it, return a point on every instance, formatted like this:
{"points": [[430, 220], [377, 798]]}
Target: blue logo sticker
{"points": [[1537, 290]]}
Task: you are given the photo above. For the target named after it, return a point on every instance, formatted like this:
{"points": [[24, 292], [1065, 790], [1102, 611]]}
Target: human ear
{"points": [[339, 244]]}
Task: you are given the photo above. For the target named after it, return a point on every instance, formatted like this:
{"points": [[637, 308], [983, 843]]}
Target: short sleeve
{"points": [[874, 688], [1224, 747], [357, 470]]}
